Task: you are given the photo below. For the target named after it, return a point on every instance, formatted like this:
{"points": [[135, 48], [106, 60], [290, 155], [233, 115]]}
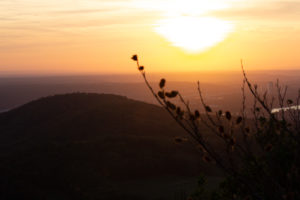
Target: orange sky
{"points": [[99, 36]]}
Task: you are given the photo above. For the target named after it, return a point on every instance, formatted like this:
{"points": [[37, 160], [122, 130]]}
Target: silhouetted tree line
{"points": [[258, 152]]}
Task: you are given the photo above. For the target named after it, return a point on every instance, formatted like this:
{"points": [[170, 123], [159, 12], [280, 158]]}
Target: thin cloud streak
{"points": [[87, 11], [289, 10]]}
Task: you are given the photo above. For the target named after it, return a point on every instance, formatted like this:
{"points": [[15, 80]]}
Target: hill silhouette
{"points": [[78, 146]]}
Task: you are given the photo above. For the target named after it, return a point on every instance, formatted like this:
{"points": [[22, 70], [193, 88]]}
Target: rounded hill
{"points": [[74, 144]]}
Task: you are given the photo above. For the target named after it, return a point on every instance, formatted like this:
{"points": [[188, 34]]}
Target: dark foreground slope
{"points": [[79, 146]]}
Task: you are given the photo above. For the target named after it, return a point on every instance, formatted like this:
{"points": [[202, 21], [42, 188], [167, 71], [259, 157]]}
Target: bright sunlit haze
{"points": [[149, 99], [99, 36]]}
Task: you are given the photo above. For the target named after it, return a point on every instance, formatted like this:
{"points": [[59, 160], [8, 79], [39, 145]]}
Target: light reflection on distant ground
{"points": [[276, 110]]}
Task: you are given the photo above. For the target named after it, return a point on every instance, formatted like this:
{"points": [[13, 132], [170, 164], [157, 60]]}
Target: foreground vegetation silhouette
{"points": [[257, 151]]}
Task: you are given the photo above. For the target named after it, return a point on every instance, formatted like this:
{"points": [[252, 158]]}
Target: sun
{"points": [[194, 34], [190, 24]]}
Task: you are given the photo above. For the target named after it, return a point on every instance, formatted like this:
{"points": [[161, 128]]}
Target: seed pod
{"points": [[221, 129], [208, 109], [170, 105], [220, 112], [141, 68], [232, 141], [172, 94], [262, 120], [161, 94], [178, 140], [239, 120], [192, 117], [268, 148], [232, 147], [179, 112], [200, 147], [162, 83], [206, 158], [289, 101], [226, 136], [228, 115], [134, 57], [277, 126], [197, 114]]}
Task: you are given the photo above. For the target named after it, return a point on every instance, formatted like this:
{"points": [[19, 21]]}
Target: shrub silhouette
{"points": [[258, 152]]}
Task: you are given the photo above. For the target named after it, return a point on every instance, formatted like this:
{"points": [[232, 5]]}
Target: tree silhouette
{"points": [[258, 152]]}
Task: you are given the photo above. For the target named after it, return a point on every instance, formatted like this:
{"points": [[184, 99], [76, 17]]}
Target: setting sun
{"points": [[194, 34]]}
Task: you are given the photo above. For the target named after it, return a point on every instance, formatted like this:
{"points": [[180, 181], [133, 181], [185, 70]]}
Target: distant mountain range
{"points": [[82, 145]]}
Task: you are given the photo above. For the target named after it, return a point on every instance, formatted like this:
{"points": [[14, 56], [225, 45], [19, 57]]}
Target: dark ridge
{"points": [[72, 146]]}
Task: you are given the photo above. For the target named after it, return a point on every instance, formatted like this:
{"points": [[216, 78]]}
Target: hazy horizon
{"points": [[36, 74]]}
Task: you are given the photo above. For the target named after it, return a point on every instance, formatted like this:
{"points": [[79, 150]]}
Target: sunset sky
{"points": [[99, 36]]}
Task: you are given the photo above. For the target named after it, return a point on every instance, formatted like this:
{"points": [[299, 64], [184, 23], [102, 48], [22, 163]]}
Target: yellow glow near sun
{"points": [[194, 34], [182, 7], [187, 23]]}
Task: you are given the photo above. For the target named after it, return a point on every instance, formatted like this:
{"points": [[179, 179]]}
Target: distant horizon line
{"points": [[8, 74]]}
